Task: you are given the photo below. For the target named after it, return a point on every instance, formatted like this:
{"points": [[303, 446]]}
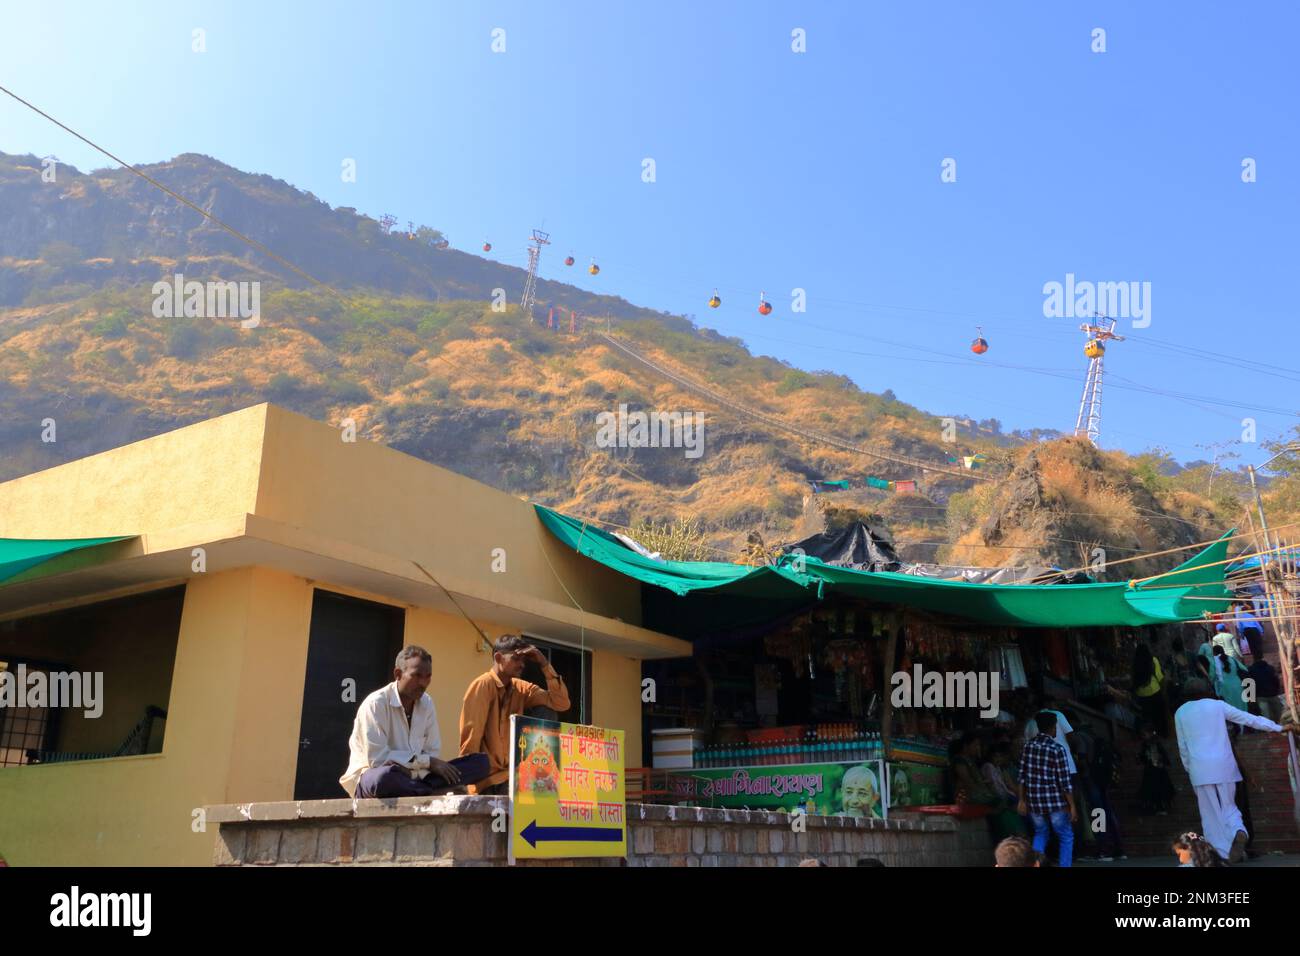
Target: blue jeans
{"points": [[1060, 820]]}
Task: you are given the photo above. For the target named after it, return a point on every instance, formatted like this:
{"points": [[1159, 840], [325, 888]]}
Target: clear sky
{"points": [[777, 170]]}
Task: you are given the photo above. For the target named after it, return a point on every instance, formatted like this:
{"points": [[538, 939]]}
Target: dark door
{"points": [[352, 640]]}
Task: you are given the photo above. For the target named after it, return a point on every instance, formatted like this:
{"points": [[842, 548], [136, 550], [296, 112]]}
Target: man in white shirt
{"points": [[1203, 744], [395, 743]]}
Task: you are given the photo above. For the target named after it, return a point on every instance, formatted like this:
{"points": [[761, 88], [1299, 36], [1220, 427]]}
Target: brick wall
{"points": [[459, 831], [1263, 761]]}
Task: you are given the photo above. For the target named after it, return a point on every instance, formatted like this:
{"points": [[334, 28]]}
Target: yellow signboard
{"points": [[567, 796]]}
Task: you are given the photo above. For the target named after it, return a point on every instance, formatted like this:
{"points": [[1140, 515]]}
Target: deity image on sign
{"points": [[859, 794], [539, 768]]}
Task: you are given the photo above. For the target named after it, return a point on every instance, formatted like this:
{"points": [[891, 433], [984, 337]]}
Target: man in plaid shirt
{"points": [[1046, 791]]}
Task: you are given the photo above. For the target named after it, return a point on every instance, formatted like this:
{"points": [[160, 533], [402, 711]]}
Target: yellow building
{"points": [[269, 570]]}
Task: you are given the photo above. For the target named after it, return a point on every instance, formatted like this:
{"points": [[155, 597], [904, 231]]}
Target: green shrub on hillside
{"points": [[111, 326], [184, 340], [345, 390], [281, 387], [794, 380]]}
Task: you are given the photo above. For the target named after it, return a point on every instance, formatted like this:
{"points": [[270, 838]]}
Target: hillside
{"points": [[410, 348]]}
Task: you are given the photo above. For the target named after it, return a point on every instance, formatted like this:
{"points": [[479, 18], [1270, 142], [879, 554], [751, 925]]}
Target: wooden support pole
{"points": [[886, 708]]}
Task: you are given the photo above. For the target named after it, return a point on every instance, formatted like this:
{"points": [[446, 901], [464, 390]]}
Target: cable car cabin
{"points": [[714, 302], [1094, 349], [568, 260], [764, 307], [593, 268], [487, 247], [979, 346]]}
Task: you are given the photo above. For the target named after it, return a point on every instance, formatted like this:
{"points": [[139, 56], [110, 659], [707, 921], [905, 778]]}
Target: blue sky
{"points": [[777, 170]]}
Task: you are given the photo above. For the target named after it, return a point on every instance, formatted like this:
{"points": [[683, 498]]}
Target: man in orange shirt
{"points": [[494, 696]]}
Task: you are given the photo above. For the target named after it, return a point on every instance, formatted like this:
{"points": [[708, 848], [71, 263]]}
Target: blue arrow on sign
{"points": [[535, 834]]}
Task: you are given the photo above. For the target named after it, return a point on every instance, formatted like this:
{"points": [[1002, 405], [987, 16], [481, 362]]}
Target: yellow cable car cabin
{"points": [[1094, 349], [714, 302]]}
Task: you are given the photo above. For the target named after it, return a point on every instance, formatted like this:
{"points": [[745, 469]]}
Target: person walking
{"points": [[1206, 752], [1224, 638], [1231, 690], [1157, 789], [1268, 689], [1046, 791], [1149, 689], [1250, 632]]}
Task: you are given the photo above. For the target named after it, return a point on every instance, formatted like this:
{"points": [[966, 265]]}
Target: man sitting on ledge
{"points": [[395, 741]]}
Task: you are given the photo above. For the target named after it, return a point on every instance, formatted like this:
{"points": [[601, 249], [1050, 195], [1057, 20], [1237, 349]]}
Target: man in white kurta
{"points": [[1202, 727], [395, 746]]}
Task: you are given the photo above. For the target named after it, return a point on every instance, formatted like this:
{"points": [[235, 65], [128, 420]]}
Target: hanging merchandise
{"points": [[1006, 660]]}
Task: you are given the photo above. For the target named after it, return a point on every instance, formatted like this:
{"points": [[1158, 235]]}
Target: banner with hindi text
{"points": [[851, 789]]}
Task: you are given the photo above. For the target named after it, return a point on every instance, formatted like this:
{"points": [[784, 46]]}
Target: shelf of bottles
{"points": [[823, 743]]}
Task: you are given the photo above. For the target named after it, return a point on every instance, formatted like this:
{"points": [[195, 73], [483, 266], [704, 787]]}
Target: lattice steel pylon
{"points": [[538, 240], [1089, 421]]}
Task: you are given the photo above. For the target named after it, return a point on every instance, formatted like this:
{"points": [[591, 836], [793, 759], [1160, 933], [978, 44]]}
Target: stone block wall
{"points": [[469, 831]]}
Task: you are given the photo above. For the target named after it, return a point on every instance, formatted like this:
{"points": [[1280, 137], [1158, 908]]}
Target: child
{"points": [[1192, 849], [1157, 791]]}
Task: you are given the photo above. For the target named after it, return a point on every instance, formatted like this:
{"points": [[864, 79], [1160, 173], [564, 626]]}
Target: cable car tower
{"points": [[538, 240], [1089, 421]]}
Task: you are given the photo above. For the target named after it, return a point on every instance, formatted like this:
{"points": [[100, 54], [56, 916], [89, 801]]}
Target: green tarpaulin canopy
{"points": [[715, 594], [19, 554]]}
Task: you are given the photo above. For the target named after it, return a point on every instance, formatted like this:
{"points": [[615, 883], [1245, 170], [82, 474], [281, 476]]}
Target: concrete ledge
{"points": [[456, 805], [469, 831]]}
